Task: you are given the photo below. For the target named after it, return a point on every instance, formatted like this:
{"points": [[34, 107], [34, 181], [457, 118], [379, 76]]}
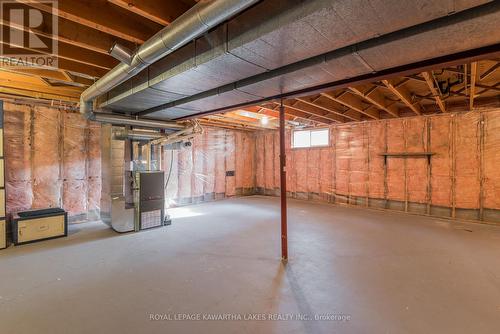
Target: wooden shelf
{"points": [[407, 154]]}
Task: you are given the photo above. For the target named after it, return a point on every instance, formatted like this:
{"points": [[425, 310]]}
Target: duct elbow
{"points": [[122, 53]]}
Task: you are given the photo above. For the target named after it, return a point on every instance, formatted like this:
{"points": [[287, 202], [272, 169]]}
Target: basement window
{"points": [[310, 138]]}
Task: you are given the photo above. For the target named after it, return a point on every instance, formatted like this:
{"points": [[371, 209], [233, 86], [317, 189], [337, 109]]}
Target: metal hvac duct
{"points": [[138, 122], [137, 135], [299, 45], [196, 21]]}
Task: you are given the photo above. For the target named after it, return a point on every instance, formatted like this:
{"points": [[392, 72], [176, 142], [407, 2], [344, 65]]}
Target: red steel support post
{"points": [[284, 239]]}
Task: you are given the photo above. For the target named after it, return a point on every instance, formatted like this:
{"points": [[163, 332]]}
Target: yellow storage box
{"points": [[38, 225]]}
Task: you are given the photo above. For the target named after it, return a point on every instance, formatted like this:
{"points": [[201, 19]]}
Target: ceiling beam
{"points": [[351, 102], [161, 12], [102, 16], [403, 94], [429, 79], [373, 96], [472, 91]]}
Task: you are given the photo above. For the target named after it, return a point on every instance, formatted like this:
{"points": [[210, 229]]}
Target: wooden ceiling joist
{"points": [[429, 79], [69, 65], [37, 94], [297, 115], [374, 97], [21, 85], [225, 125], [275, 114], [74, 34], [313, 111], [161, 12], [291, 109], [76, 54], [489, 71], [318, 102], [102, 16], [403, 95], [58, 75], [231, 120], [86, 57], [472, 90], [487, 88], [353, 103]]}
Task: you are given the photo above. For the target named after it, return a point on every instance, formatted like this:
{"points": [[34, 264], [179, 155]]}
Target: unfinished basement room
{"points": [[246, 166]]}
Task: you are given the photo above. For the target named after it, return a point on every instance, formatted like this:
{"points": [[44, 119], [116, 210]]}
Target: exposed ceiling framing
{"points": [[86, 32], [459, 88], [88, 29]]}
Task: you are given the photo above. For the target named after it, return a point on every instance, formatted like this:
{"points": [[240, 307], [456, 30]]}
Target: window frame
{"points": [[310, 145]]}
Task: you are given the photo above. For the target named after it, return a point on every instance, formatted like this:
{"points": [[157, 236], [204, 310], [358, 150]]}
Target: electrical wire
{"points": [[170, 169]]}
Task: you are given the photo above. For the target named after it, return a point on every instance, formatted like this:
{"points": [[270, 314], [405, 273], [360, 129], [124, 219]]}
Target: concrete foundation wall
{"points": [[460, 180], [52, 160]]}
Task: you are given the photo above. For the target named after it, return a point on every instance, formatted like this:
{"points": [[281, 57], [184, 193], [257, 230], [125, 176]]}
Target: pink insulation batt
{"points": [[352, 166], [52, 160]]}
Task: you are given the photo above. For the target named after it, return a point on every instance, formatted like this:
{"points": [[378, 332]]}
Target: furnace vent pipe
{"points": [[204, 16]]}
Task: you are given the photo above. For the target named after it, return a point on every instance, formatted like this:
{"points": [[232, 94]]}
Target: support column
{"points": [[284, 238]]}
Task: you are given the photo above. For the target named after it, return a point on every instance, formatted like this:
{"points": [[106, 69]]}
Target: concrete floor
{"points": [[385, 272]]}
